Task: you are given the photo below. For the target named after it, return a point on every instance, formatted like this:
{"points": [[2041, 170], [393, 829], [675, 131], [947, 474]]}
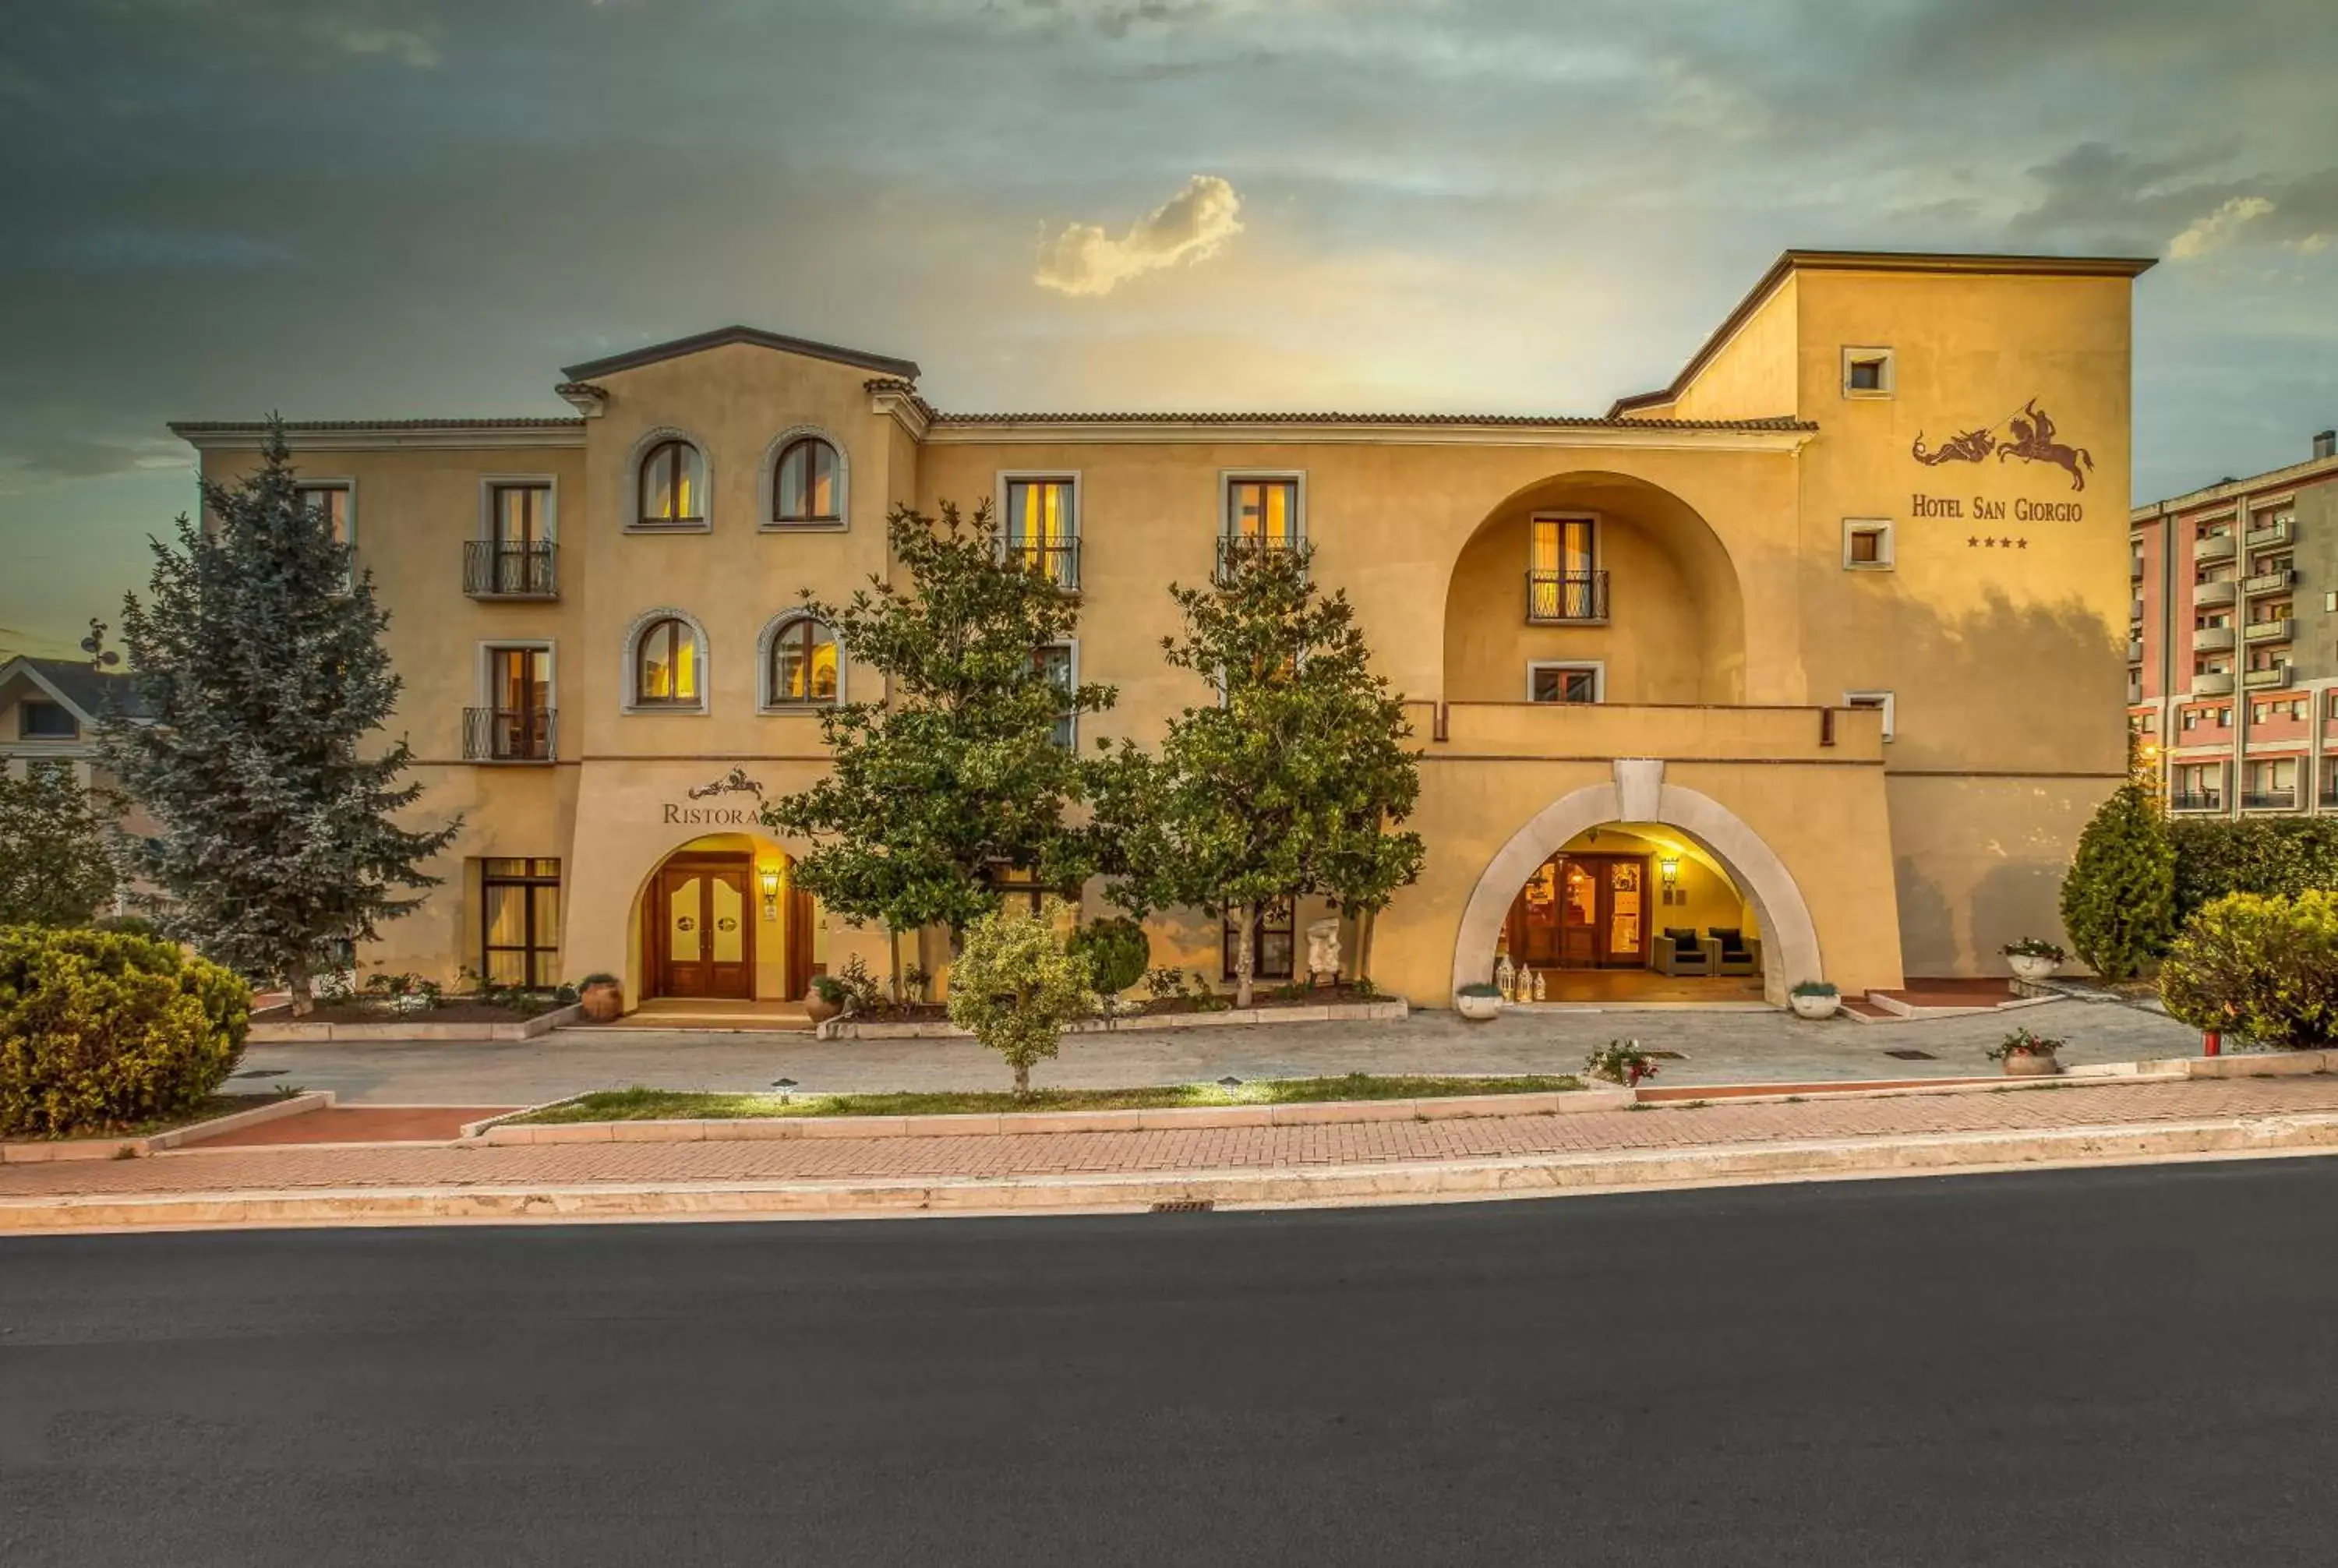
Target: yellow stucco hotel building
{"points": [[1808, 666]]}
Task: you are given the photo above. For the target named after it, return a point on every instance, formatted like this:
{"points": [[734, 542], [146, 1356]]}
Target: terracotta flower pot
{"points": [[819, 1008], [2031, 1064], [604, 1004]]}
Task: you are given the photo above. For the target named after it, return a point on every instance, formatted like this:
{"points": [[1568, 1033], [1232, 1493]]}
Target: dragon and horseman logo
{"points": [[2027, 435]]}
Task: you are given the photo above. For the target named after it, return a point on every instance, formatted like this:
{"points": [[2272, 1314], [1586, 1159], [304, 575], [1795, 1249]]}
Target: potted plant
{"points": [[1477, 1003], [2026, 1055], [1815, 999], [2033, 958], [603, 996], [826, 998], [1620, 1062]]}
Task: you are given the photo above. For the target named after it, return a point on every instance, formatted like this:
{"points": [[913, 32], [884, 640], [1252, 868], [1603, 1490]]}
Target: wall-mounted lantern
{"points": [[769, 878]]}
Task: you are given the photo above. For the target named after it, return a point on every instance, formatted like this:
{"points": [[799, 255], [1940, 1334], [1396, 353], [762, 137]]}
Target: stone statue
{"points": [[1323, 951]]}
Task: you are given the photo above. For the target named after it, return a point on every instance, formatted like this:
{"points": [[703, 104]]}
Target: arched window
{"points": [[666, 659], [805, 668], [804, 489], [673, 486]]}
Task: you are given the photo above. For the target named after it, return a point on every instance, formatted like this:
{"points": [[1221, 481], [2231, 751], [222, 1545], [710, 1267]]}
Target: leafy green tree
{"points": [[2269, 855], [257, 657], [956, 774], [1015, 985], [1285, 788], [2267, 967], [2118, 900], [55, 866]]}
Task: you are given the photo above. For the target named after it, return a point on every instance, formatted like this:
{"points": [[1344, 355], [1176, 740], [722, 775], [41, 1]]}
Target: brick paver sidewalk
{"points": [[1222, 1148]]}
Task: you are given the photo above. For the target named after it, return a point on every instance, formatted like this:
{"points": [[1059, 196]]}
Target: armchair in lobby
{"points": [[1733, 952], [1678, 952]]}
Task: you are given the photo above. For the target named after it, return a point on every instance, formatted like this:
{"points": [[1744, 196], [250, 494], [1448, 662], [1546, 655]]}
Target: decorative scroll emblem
{"points": [[735, 782], [2027, 435]]}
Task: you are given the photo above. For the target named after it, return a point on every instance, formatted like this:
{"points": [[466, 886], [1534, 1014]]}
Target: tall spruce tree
{"points": [[2118, 900], [1285, 788], [55, 868], [956, 773], [259, 661]]}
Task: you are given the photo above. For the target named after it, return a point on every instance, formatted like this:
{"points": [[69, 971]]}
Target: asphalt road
{"points": [[2125, 1367]]}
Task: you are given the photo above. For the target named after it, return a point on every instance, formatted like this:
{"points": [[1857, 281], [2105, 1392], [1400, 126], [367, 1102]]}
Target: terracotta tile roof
{"points": [[1507, 421], [257, 427], [650, 354]]}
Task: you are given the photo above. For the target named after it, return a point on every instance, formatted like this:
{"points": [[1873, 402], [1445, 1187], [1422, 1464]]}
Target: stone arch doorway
{"points": [[721, 917], [1640, 794]]}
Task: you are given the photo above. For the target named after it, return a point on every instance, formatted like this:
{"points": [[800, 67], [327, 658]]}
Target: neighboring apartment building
{"points": [[2232, 640], [1817, 647]]}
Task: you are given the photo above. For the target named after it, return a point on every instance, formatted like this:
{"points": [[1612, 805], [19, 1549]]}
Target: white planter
{"points": [[1815, 1007], [2029, 966], [1477, 1009]]}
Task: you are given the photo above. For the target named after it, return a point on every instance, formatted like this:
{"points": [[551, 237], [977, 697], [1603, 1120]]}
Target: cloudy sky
{"points": [[395, 207]]}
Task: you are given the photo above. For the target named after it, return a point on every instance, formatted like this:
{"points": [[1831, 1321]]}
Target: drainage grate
{"points": [[263, 1073], [1909, 1053], [1185, 1206]]}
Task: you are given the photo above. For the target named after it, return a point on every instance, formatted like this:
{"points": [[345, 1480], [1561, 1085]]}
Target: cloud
{"points": [[1191, 226], [2217, 230], [167, 248]]}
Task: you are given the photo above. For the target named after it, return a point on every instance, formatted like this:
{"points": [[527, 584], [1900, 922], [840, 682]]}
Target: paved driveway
{"points": [[1715, 1048]]}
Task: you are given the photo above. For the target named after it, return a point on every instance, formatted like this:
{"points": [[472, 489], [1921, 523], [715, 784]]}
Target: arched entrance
{"points": [[1640, 797], [720, 918]]}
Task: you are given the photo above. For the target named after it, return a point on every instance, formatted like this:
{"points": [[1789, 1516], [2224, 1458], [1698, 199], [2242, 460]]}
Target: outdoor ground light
{"points": [[1229, 1083], [786, 1086], [770, 876]]}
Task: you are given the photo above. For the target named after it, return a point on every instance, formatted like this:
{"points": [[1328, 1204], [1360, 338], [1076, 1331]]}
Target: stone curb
{"points": [[1328, 1013], [47, 1151], [1557, 1102], [1529, 1176], [411, 1032]]}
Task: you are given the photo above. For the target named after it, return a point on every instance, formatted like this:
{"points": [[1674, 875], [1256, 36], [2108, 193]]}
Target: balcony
{"points": [[1058, 562], [2275, 631], [2271, 535], [2134, 570], [2197, 800], [2218, 548], [1538, 731], [1237, 550], [2269, 800], [507, 734], [2135, 650], [2271, 582], [2212, 683], [1563, 598], [2208, 596], [497, 571], [2213, 640], [2269, 675]]}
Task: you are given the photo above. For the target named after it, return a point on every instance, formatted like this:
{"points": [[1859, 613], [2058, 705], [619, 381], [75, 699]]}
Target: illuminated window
{"points": [[666, 664], [673, 486], [519, 922], [1041, 528], [806, 487], [805, 668], [1263, 513]]}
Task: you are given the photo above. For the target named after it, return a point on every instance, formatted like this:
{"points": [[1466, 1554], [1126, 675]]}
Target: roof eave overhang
{"points": [[386, 437], [945, 431]]}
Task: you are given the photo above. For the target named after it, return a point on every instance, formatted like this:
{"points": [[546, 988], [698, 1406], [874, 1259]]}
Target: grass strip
{"points": [[642, 1104]]}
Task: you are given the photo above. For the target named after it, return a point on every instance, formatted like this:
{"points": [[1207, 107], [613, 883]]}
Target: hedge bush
{"points": [[2263, 968], [2275, 855], [102, 1030], [2119, 898]]}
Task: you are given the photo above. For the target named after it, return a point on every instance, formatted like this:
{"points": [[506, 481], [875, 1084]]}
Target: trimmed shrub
{"points": [[1016, 988], [2118, 901], [101, 1030], [1116, 951], [2283, 856], [2263, 968]]}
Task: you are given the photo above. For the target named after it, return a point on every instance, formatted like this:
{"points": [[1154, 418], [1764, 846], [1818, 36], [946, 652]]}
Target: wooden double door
{"points": [[1583, 912], [702, 926]]}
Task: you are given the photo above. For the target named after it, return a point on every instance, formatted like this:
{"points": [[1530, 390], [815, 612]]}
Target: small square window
{"points": [[1866, 545], [1882, 702], [1555, 682], [1867, 373], [38, 719]]}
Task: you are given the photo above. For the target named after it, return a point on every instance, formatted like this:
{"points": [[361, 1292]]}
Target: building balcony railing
{"points": [[2271, 582], [2272, 533], [2268, 675], [1058, 562], [492, 570], [2213, 639], [1566, 596], [2134, 570], [2135, 650], [507, 734], [2208, 595], [2329, 784], [2212, 683], [2280, 629], [1237, 550], [2197, 800], [2269, 800], [2219, 548]]}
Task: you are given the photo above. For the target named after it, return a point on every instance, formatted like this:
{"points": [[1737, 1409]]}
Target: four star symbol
{"points": [[1982, 542]]}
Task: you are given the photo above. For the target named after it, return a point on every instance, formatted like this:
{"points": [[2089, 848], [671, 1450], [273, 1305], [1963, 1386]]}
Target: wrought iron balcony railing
{"points": [[507, 734], [1564, 596], [1059, 562], [2269, 799], [492, 570]]}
